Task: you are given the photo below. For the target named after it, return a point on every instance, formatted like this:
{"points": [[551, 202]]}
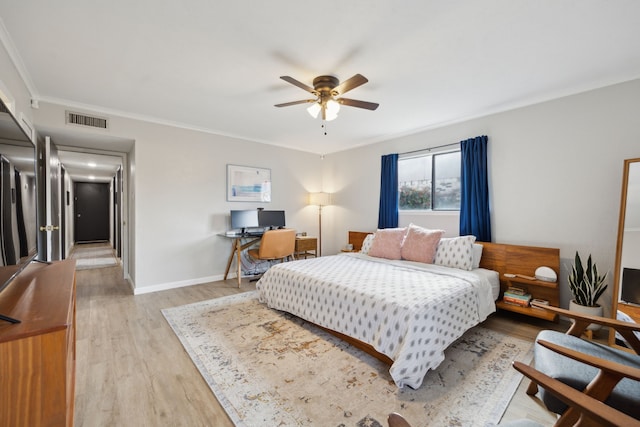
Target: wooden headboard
{"points": [[516, 259], [500, 257], [357, 237]]}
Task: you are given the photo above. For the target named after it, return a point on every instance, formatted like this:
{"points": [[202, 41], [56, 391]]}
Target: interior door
{"points": [[91, 212], [51, 184], [117, 212], [63, 214]]}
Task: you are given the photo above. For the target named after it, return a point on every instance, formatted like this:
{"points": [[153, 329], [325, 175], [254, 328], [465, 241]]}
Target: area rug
{"points": [[94, 256], [268, 368]]}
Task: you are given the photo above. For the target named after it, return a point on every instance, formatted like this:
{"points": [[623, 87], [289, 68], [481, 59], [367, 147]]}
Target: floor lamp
{"points": [[320, 200]]}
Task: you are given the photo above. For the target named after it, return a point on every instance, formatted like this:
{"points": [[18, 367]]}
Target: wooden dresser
{"points": [[38, 355]]}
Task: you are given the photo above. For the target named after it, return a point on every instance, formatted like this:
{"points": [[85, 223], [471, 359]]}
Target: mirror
{"points": [[626, 278], [18, 216]]}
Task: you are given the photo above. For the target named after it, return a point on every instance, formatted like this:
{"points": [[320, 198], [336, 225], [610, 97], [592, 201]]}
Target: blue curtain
{"points": [[474, 204], [388, 213]]}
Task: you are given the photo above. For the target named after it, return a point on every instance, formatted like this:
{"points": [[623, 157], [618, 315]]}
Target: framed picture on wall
{"points": [[248, 184]]}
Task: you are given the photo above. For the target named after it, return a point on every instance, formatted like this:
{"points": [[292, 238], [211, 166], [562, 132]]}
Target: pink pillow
{"points": [[420, 244], [387, 243]]}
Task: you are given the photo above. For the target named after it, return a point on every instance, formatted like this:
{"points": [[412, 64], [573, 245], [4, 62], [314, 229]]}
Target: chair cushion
{"points": [[625, 396]]}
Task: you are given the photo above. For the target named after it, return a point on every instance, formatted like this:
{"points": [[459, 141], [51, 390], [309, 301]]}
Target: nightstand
{"points": [[538, 289], [305, 246]]}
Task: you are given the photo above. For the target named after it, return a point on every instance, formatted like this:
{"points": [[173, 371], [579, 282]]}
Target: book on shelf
{"points": [[540, 302], [525, 297], [521, 300], [518, 303], [516, 290]]}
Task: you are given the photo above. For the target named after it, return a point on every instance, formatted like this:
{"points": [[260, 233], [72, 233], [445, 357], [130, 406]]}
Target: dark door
{"points": [[91, 212]]}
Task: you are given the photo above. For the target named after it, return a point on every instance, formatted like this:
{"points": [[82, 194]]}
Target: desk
{"points": [[236, 250], [305, 244]]}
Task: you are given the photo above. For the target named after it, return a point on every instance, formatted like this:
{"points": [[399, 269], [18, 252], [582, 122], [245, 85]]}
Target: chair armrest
{"points": [[581, 321], [605, 365], [590, 407]]}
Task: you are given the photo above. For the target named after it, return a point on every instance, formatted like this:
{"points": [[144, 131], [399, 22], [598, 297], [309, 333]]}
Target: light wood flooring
{"points": [[131, 370]]}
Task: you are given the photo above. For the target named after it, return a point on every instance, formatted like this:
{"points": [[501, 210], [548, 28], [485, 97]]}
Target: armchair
{"points": [[604, 373], [582, 408]]}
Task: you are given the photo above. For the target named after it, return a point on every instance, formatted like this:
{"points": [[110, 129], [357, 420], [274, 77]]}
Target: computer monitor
{"points": [[244, 219], [630, 285], [271, 219]]}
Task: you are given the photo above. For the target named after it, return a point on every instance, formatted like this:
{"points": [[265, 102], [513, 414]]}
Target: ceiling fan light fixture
{"points": [[333, 107], [314, 110], [330, 116], [325, 89]]}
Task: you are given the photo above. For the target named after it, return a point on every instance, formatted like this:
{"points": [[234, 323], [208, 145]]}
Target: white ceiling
{"points": [[89, 166], [215, 65]]}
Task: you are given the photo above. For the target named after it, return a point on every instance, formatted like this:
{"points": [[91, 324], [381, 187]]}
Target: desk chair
{"points": [[276, 244]]}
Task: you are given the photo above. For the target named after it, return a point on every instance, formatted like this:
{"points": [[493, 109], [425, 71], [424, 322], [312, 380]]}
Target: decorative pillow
{"points": [[420, 244], [456, 252], [366, 244], [477, 254], [387, 243]]}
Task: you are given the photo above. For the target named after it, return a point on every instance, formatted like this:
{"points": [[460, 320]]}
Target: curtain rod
{"points": [[430, 148]]}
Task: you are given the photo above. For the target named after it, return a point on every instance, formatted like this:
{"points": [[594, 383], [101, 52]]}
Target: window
{"points": [[430, 182]]}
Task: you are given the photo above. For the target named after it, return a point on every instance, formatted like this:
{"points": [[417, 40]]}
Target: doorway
{"points": [[91, 216]]}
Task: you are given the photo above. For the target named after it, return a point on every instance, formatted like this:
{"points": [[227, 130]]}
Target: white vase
{"points": [[591, 311]]}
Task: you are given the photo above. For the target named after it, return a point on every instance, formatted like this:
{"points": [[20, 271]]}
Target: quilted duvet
{"points": [[409, 311]]}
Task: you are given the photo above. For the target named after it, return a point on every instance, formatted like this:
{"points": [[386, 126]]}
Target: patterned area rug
{"points": [[268, 368], [95, 255]]}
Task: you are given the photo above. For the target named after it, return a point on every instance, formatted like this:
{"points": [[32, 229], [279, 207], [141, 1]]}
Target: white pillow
{"points": [[366, 244], [477, 254], [455, 252]]}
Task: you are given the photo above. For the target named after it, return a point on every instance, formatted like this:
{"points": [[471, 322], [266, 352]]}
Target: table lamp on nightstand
{"points": [[320, 200]]}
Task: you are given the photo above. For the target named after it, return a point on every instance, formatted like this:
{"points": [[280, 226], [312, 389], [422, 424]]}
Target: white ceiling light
{"points": [[314, 110]]}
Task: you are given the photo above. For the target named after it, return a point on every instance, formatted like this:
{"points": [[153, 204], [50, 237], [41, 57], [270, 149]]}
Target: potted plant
{"points": [[587, 286]]}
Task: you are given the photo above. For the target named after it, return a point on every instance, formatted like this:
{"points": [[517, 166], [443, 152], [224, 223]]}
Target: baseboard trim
{"points": [[174, 285]]}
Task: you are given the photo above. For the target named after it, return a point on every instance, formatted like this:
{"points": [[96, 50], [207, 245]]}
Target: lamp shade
{"points": [[314, 110], [332, 110], [319, 199]]}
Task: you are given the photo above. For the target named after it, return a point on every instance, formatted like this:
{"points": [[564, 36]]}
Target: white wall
{"points": [[178, 202], [555, 175], [11, 82]]}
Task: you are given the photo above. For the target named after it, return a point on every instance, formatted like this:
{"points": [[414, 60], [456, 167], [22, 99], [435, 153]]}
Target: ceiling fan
{"points": [[326, 89]]}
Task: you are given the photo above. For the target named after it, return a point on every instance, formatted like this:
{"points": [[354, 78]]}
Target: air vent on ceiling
{"points": [[84, 120]]}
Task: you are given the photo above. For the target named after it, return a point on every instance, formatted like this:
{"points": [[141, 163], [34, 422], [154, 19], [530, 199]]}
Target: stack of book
{"points": [[517, 296]]}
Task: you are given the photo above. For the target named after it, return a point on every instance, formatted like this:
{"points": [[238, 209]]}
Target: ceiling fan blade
{"points": [[356, 103], [352, 83], [304, 101], [297, 83]]}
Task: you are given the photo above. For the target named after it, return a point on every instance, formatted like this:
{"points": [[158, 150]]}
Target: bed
{"points": [[404, 312]]}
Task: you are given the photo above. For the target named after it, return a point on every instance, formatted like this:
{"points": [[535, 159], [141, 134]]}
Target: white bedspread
{"points": [[408, 311]]}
